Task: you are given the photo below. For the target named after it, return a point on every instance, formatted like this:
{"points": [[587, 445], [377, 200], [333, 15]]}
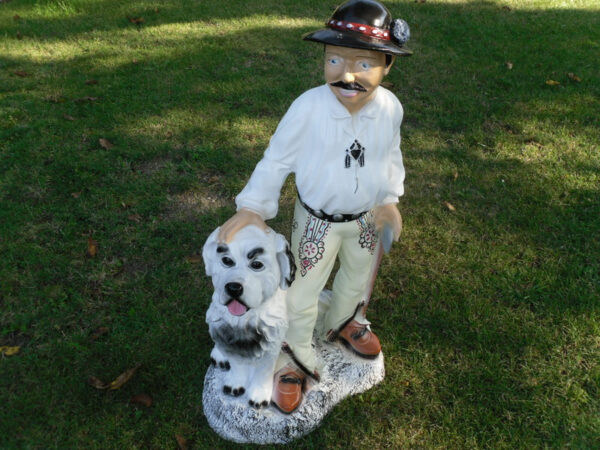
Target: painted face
{"points": [[353, 74]]}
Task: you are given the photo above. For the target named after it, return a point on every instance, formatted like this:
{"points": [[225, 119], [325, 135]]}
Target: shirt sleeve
{"points": [[396, 173], [261, 194]]}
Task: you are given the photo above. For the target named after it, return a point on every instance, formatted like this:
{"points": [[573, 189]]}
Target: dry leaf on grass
{"points": [[455, 175], [574, 77], [135, 218], [96, 382], [16, 17], [142, 399], [92, 250], [76, 194], [5, 350], [509, 65], [22, 73], [90, 82], [449, 206], [105, 144], [552, 83], [100, 331], [68, 117], [194, 259], [136, 20], [118, 382], [87, 98], [181, 442]]}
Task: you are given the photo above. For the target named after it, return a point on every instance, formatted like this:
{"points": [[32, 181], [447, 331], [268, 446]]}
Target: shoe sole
{"points": [[349, 346]]}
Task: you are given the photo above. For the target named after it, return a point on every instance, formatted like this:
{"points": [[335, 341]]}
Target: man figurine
{"points": [[342, 141]]}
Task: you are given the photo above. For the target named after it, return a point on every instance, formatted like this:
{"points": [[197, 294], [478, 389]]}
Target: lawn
{"points": [[126, 130]]}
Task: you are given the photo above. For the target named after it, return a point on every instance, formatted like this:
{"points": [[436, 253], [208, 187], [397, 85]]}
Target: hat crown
{"points": [[367, 12]]}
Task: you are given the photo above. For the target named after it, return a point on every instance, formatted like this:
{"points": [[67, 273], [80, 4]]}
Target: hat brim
{"points": [[353, 39]]}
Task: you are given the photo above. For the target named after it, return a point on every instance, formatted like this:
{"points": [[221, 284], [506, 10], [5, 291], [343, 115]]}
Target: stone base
{"points": [[342, 374]]}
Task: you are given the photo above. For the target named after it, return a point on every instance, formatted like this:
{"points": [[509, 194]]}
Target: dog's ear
{"points": [[287, 265], [209, 252]]}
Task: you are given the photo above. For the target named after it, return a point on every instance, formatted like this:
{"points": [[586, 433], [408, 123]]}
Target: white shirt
{"points": [[311, 141]]}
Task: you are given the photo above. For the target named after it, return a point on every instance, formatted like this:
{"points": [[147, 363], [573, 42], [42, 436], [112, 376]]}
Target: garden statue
{"points": [[342, 142]]}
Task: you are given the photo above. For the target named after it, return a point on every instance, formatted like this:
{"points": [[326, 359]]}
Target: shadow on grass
{"points": [[474, 297]]}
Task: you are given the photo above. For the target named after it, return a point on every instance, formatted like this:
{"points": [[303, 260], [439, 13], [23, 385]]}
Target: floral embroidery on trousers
{"points": [[368, 236], [312, 245]]}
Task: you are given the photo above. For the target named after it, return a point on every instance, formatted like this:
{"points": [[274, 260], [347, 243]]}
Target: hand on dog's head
{"points": [[251, 267]]}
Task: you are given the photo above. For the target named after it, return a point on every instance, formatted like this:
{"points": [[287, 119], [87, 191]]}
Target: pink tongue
{"points": [[236, 308]]}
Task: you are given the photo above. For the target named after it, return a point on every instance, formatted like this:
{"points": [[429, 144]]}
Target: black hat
{"points": [[364, 24]]}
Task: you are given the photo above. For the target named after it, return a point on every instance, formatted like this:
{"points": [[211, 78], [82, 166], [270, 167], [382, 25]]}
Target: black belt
{"points": [[331, 217]]}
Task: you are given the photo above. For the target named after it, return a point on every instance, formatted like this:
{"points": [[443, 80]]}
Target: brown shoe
{"points": [[287, 389], [362, 341]]}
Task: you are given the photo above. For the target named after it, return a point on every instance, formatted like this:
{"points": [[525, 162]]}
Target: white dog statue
{"points": [[247, 317]]}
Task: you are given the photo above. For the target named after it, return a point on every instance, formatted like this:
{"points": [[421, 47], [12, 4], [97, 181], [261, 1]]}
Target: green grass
{"points": [[489, 315]]}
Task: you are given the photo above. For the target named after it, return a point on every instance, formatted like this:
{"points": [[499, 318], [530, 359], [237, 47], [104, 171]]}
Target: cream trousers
{"points": [[315, 245]]}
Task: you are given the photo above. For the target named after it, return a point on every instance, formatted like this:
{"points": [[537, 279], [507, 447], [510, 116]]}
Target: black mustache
{"points": [[354, 86]]}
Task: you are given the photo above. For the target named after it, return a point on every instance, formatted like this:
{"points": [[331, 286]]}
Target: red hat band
{"points": [[367, 30]]}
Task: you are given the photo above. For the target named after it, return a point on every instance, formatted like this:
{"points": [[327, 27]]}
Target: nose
{"points": [[235, 290], [348, 76]]}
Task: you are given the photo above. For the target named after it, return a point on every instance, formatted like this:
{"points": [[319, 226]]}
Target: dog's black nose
{"points": [[234, 289]]}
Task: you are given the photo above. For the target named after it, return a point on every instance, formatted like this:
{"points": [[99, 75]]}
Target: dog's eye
{"points": [[257, 265], [228, 261]]}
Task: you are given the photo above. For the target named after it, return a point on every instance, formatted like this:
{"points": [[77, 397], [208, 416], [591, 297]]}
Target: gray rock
{"points": [[342, 374]]}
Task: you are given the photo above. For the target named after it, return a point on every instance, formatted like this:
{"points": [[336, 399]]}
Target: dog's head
{"points": [[249, 269]]}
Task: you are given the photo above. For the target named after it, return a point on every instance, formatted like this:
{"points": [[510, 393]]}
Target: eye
{"points": [[227, 261], [333, 61], [364, 65], [256, 265]]}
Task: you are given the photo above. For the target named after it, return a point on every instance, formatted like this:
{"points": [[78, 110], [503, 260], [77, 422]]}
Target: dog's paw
{"points": [[218, 360], [236, 392], [258, 405], [260, 395]]}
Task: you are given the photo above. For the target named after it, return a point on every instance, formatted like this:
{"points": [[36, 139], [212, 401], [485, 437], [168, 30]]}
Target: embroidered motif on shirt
{"points": [[312, 245], [356, 151], [368, 236]]}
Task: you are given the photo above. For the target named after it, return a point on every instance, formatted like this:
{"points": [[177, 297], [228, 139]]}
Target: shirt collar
{"points": [[339, 111]]}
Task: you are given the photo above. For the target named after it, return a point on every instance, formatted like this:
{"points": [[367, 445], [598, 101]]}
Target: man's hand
{"points": [[239, 220], [388, 215]]}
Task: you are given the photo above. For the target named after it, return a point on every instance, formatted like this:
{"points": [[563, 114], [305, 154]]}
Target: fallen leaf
{"points": [[105, 144], [96, 382], [450, 206], [87, 98], [92, 250], [552, 83], [76, 194], [21, 73], [455, 175], [136, 20], [214, 179], [68, 117], [574, 77], [194, 259], [118, 382], [169, 134], [432, 185], [181, 442], [509, 65], [100, 331], [16, 17], [142, 399], [9, 351], [506, 8], [90, 82], [135, 218]]}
